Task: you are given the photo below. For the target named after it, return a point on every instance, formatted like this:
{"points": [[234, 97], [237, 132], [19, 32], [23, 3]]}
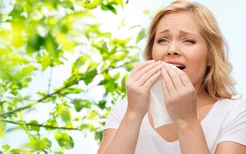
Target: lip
{"points": [[177, 63]]}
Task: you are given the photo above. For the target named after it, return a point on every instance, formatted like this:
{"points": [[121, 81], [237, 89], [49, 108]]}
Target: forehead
{"points": [[181, 21]]}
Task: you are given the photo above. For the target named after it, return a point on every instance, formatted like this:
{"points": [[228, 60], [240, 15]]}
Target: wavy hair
{"points": [[217, 81]]}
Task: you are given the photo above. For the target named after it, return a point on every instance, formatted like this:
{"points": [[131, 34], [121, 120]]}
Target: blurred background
{"points": [[63, 65]]}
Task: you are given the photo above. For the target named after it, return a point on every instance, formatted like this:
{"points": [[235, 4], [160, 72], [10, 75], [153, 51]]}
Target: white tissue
{"points": [[157, 105]]}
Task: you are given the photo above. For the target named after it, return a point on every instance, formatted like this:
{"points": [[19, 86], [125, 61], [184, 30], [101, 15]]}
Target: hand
{"points": [[179, 93], [138, 86]]}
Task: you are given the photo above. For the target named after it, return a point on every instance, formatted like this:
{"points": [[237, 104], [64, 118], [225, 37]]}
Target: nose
{"points": [[173, 49]]}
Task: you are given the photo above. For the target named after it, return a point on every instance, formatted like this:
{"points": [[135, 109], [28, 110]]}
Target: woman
{"points": [[198, 96]]}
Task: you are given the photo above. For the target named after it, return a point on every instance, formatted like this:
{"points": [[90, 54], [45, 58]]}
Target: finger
{"points": [[167, 81], [183, 77], [144, 70], [141, 65], [143, 78], [147, 85], [174, 76], [164, 89]]}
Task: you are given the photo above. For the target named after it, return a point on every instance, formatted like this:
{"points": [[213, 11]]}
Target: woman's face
{"points": [[178, 41]]}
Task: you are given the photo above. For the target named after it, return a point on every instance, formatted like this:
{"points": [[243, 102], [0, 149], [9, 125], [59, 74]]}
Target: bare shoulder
{"points": [[108, 135], [229, 147]]}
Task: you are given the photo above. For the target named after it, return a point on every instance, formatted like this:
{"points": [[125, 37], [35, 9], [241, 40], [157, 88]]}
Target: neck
{"points": [[203, 98]]}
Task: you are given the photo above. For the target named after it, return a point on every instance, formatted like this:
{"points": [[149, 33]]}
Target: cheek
{"points": [[198, 55], [198, 65], [157, 53]]}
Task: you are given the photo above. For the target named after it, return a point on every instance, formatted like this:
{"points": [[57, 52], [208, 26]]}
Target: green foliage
{"points": [[141, 35], [38, 37], [33, 128], [6, 147], [80, 104], [39, 144], [64, 140]]}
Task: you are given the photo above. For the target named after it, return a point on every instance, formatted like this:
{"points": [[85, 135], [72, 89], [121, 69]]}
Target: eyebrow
{"points": [[187, 33], [181, 31], [164, 31]]}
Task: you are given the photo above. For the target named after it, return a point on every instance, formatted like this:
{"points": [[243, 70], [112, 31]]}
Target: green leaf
{"points": [[67, 4], [78, 63], [39, 144], [121, 2], [41, 94], [123, 82], [102, 104], [46, 142], [146, 12], [34, 44], [64, 140], [90, 76], [51, 122], [134, 57], [93, 115], [2, 128], [66, 115], [98, 136], [116, 76], [51, 46], [34, 128], [15, 151], [81, 61], [120, 56], [72, 91], [80, 104], [27, 71], [6, 147], [141, 35], [135, 26], [120, 42], [101, 47], [45, 62], [91, 5], [108, 7], [129, 67]]}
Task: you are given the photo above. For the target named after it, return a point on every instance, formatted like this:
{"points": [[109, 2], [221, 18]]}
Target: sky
{"points": [[230, 14]]}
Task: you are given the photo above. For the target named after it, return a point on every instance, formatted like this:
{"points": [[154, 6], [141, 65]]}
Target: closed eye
{"points": [[190, 41]]}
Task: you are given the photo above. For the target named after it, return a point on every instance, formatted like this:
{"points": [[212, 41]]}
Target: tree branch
{"points": [[38, 125], [58, 91]]}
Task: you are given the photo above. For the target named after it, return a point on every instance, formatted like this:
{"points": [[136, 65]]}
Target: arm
{"points": [[229, 147], [181, 100], [233, 136], [192, 141], [108, 135], [191, 137], [125, 138]]}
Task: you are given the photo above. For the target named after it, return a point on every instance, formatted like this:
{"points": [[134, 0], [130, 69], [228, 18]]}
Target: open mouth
{"points": [[181, 67]]}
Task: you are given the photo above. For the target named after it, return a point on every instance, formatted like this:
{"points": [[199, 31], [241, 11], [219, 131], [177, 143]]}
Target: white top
{"points": [[226, 121]]}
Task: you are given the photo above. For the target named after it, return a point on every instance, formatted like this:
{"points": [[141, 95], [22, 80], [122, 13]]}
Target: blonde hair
{"points": [[217, 81]]}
